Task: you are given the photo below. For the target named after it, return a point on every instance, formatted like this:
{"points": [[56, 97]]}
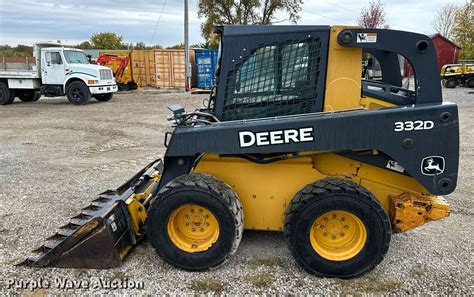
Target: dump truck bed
{"points": [[19, 73]]}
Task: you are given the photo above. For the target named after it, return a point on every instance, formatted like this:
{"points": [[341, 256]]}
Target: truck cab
{"points": [[58, 71], [67, 71]]}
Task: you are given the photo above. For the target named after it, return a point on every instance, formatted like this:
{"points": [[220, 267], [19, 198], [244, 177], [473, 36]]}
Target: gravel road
{"points": [[55, 158]]}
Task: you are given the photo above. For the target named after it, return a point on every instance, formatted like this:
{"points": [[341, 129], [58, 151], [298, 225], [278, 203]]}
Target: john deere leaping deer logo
{"points": [[432, 165]]}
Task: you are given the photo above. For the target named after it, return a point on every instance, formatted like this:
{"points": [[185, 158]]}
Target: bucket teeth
{"points": [[92, 207], [27, 262], [58, 236], [108, 194], [70, 226], [44, 248], [82, 217], [102, 200], [89, 240]]}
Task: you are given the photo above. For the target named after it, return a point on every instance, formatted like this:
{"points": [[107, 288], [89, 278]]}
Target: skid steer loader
{"points": [[291, 140]]}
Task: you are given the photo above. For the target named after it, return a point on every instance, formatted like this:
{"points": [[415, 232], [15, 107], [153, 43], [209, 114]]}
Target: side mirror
{"points": [[178, 112]]}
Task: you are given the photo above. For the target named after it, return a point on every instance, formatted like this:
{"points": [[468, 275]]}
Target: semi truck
{"points": [[58, 71]]}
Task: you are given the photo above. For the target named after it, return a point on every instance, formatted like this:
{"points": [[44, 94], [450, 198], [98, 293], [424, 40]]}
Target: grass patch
{"points": [[369, 285], [263, 280], [208, 285], [419, 270], [271, 262]]}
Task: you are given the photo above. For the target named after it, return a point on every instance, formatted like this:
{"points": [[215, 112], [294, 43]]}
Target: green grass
{"points": [[271, 262], [208, 285], [419, 270], [263, 280], [369, 285]]}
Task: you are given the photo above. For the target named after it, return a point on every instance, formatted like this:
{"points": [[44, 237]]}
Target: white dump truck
{"points": [[58, 71]]}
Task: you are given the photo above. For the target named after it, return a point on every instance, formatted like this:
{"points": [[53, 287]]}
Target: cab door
{"points": [[52, 68]]}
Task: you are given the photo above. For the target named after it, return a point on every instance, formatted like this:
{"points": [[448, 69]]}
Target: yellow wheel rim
{"points": [[193, 228], [338, 235]]}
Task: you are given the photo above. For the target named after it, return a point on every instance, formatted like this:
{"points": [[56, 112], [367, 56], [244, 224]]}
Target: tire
{"points": [[470, 83], [104, 97], [29, 96], [78, 93], [312, 205], [450, 83], [215, 197], [131, 85], [7, 96]]}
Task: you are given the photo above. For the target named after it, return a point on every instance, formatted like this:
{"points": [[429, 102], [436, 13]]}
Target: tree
{"points": [[373, 16], [463, 31], [445, 20], [177, 46], [107, 40], [17, 51], [140, 45], [244, 12], [85, 45]]}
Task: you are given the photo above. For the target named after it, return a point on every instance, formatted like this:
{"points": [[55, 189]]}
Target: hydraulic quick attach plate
{"points": [[102, 234]]}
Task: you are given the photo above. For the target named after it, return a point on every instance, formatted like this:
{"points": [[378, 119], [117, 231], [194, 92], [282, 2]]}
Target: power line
{"points": [[358, 13], [323, 16], [158, 22]]}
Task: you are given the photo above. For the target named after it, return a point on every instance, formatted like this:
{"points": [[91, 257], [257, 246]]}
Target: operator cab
{"points": [[270, 71]]}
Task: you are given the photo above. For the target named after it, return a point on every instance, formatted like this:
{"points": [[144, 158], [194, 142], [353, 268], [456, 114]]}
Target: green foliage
{"points": [[201, 45], [16, 51], [107, 40], [177, 46], [208, 285], [244, 12], [464, 30], [85, 45], [140, 45]]}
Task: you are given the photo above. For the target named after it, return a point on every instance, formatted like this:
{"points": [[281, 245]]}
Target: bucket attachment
{"points": [[102, 234]]}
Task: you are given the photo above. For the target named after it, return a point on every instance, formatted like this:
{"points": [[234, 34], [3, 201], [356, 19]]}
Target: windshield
{"points": [[75, 57]]}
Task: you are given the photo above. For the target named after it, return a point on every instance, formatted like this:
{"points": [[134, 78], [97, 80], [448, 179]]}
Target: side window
{"points": [[56, 58], [275, 80]]}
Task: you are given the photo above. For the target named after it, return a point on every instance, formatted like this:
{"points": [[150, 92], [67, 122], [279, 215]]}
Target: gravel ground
{"points": [[55, 158]]}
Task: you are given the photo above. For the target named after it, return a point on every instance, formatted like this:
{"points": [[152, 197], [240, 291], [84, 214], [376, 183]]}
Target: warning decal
{"points": [[366, 37]]}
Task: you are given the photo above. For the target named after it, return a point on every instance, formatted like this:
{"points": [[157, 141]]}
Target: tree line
{"points": [[452, 21], [104, 40]]}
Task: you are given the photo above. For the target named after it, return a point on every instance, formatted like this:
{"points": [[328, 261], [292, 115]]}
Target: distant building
{"points": [[447, 51]]}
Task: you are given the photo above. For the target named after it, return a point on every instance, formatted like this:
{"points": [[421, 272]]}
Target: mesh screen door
{"points": [[274, 80]]}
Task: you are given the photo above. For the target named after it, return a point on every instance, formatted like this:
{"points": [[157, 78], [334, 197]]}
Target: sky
{"points": [[161, 21]]}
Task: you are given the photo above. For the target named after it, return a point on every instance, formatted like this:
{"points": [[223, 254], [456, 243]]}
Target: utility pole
{"points": [[186, 47]]}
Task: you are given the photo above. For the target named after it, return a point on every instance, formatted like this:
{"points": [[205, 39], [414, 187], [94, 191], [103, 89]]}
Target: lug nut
{"points": [[325, 234], [200, 210], [343, 219], [194, 246], [334, 216], [342, 234], [346, 227], [193, 230], [202, 229], [326, 219], [333, 237]]}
